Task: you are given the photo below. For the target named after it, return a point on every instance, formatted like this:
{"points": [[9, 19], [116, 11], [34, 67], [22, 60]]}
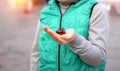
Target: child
{"points": [[82, 46]]}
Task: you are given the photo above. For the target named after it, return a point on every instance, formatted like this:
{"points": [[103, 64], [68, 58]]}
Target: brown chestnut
{"points": [[60, 31]]}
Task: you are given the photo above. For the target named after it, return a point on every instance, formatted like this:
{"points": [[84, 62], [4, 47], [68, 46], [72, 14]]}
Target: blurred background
{"points": [[18, 21]]}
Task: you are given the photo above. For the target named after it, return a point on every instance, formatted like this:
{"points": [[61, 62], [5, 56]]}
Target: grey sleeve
{"points": [[34, 53], [93, 50]]}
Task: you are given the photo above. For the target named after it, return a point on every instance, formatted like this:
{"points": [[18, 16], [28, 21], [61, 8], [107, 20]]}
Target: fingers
{"points": [[61, 39], [45, 28], [54, 35], [51, 33]]}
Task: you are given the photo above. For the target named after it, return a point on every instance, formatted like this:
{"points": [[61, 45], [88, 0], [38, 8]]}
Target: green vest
{"points": [[77, 16]]}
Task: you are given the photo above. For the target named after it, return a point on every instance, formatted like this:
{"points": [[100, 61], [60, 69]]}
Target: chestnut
{"points": [[60, 31]]}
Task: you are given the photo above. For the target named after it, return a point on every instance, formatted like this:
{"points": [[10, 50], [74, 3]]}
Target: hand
{"points": [[60, 39]]}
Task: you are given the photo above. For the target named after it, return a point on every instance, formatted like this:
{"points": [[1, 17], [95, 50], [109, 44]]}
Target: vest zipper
{"points": [[60, 27]]}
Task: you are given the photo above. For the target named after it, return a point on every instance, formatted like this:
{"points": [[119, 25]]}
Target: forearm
{"points": [[88, 52]]}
